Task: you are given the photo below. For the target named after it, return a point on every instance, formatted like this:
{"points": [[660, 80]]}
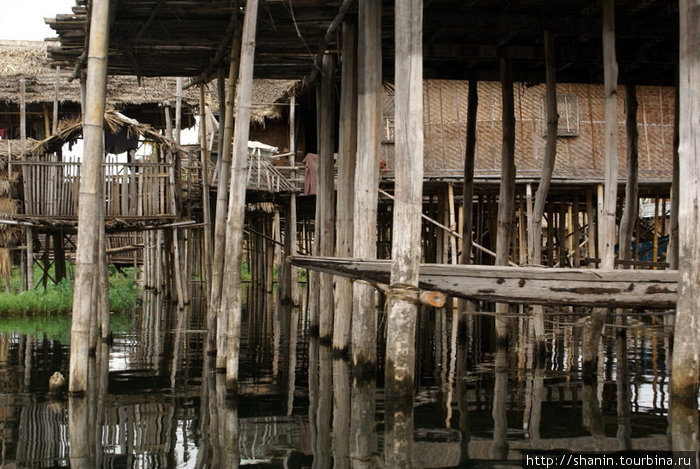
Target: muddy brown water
{"points": [[161, 405]]}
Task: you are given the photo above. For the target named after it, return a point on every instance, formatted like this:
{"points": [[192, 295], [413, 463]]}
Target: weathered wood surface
{"points": [[533, 285], [686, 343]]}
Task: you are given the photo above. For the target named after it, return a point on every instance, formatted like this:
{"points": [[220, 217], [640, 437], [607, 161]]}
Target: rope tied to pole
{"points": [[403, 292]]}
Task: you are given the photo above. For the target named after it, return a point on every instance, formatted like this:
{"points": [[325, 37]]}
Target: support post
{"points": [[608, 208], [28, 202], [406, 239], [506, 194], [224, 165], [534, 244], [629, 213], [686, 342], [346, 186], [672, 255], [206, 218], [606, 221], [326, 194], [231, 294], [369, 114], [468, 198], [89, 202]]}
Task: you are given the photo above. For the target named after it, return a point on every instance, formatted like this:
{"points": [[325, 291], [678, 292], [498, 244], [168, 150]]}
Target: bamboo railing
{"points": [[132, 189]]}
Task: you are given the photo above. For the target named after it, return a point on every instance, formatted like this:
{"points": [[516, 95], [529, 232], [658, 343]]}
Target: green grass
{"points": [[57, 327], [58, 299]]}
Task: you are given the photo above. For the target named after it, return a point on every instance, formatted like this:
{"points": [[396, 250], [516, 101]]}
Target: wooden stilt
{"points": [[177, 259], [550, 153], [346, 186], [224, 165], [506, 195], [369, 113], [606, 216], [629, 214], [606, 219], [686, 342], [230, 298], [672, 255], [326, 194], [206, 219], [89, 201], [406, 240]]}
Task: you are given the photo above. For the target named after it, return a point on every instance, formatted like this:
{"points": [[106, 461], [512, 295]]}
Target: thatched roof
{"points": [[29, 60], [71, 129]]}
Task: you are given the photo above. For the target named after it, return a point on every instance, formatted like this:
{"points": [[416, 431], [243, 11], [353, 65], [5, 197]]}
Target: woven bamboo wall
{"points": [[578, 157]]}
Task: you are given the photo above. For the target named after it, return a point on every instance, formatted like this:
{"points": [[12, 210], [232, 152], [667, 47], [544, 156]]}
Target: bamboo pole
{"points": [[224, 165], [686, 342], [406, 239], [369, 114], [206, 215], [346, 185], [230, 297], [54, 123], [629, 214], [89, 205], [325, 197], [506, 195]]}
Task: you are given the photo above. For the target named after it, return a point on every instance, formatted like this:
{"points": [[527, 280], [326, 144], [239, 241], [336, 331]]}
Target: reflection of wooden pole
{"points": [[369, 114], [686, 344], [89, 201], [506, 195], [346, 185], [231, 294], [406, 236]]}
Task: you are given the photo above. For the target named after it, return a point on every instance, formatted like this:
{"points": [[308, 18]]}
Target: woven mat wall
{"points": [[580, 156]]}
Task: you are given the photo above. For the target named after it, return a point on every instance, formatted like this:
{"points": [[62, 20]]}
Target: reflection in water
{"points": [[162, 404]]}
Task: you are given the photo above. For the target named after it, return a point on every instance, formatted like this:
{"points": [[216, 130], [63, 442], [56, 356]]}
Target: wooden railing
{"points": [[136, 189]]}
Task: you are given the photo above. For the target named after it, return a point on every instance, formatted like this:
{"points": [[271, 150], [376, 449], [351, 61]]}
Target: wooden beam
{"points": [[532, 285], [330, 33]]}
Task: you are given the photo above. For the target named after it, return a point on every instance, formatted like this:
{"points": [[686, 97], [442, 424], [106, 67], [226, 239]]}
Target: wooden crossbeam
{"points": [[529, 285]]}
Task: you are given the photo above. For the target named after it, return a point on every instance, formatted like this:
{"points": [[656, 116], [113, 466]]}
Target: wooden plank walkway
{"points": [[529, 285]]}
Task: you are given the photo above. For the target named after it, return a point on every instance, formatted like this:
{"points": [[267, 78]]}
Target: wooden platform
{"points": [[529, 285]]}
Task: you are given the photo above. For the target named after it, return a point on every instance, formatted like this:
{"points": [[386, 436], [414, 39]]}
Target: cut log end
{"points": [[433, 298]]}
